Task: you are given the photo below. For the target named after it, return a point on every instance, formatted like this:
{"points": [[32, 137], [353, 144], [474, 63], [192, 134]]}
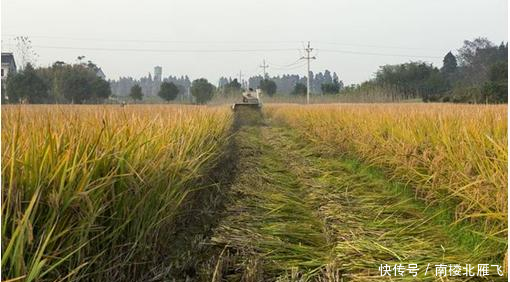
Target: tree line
{"points": [[477, 74], [200, 89], [82, 83], [60, 83], [325, 83], [150, 86]]}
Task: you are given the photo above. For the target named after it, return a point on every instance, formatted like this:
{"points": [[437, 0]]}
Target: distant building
{"points": [[8, 65], [158, 71], [156, 84], [100, 73]]}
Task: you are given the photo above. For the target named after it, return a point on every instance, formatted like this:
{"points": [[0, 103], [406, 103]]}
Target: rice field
{"points": [[315, 193], [89, 190], [454, 156], [452, 153]]}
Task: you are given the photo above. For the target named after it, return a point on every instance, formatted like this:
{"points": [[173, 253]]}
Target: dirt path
{"points": [[296, 214]]}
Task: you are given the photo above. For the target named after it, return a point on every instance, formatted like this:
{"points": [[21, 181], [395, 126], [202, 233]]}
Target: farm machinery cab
{"points": [[251, 99]]}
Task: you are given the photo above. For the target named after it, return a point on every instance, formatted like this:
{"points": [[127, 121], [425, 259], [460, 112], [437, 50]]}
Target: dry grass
{"points": [[453, 154], [92, 190]]}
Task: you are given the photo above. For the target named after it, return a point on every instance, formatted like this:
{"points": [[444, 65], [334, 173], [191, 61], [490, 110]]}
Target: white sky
{"points": [[273, 30]]}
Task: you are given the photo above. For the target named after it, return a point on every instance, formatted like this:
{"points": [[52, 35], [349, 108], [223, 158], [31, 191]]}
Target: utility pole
{"points": [[190, 97], [264, 67], [308, 50], [241, 78]]}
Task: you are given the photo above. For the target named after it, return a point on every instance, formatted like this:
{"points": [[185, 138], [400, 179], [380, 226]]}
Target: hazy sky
{"points": [[221, 37]]}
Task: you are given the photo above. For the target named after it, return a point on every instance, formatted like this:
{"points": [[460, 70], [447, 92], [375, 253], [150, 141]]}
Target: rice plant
{"points": [[89, 192], [96, 192], [449, 154]]}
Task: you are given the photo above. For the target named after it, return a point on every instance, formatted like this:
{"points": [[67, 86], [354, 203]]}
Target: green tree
{"points": [[77, 87], [168, 91], [136, 92], [76, 83], [234, 84], [412, 79], [476, 58], [268, 86], [2, 91], [449, 64], [299, 89], [101, 88], [433, 88], [26, 86], [496, 89], [330, 88], [481, 76], [202, 90], [54, 77], [232, 88]]}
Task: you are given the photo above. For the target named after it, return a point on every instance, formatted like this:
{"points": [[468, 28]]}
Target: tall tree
{"points": [[101, 88], [76, 83], [299, 89], [202, 90], [476, 58], [231, 88], [25, 51], [330, 88], [327, 77], [77, 86], [449, 64], [26, 86], [3, 93], [468, 52], [168, 91], [136, 92], [496, 89], [268, 86], [412, 79], [234, 84]]}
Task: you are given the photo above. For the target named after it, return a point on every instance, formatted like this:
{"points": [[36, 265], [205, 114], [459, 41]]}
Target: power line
{"points": [[155, 41], [376, 46], [217, 42], [229, 51], [287, 65], [164, 50], [379, 54], [292, 67]]}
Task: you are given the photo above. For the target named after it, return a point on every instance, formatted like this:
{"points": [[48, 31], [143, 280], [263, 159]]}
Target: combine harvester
{"points": [[251, 100], [248, 112]]}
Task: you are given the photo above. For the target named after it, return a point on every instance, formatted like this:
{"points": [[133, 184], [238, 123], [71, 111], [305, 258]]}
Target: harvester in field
{"points": [[251, 99]]}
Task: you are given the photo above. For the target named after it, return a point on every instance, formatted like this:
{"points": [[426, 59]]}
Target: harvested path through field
{"points": [[296, 213]]}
